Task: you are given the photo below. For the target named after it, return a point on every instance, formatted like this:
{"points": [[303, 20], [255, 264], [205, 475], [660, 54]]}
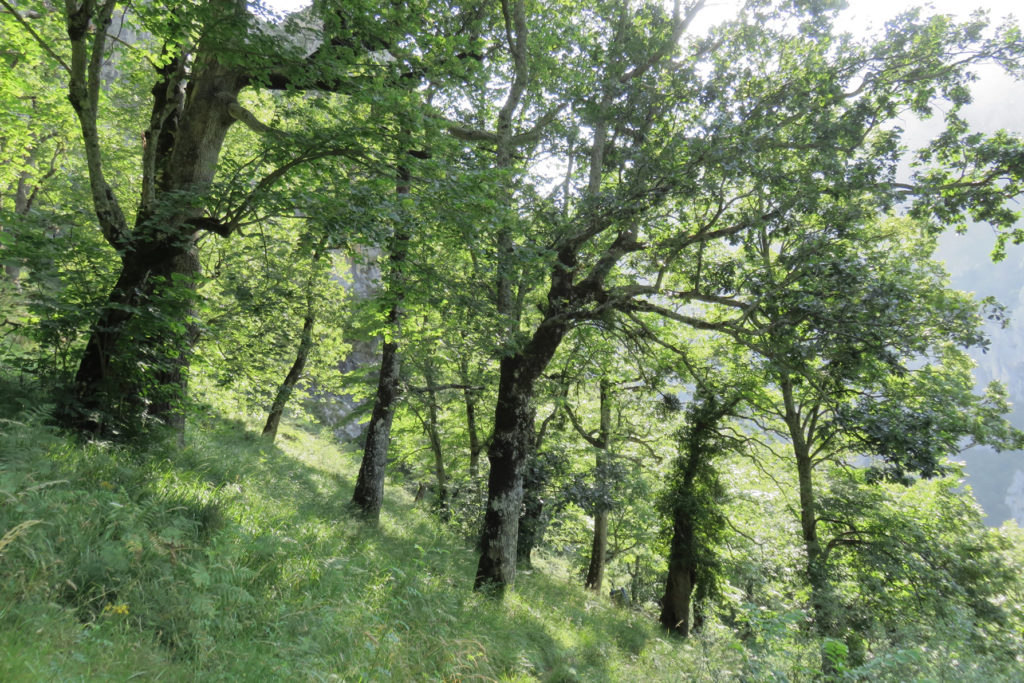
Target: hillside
{"points": [[233, 560], [507, 342]]}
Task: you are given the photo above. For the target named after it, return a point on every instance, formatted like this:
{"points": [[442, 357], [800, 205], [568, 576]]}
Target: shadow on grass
{"points": [[239, 556]]}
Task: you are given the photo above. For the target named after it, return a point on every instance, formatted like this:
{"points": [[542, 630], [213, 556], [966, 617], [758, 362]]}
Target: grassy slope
{"points": [[235, 560]]}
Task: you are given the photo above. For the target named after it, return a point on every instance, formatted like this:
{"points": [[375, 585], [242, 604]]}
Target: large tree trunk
{"points": [[675, 605], [510, 446], [183, 144], [175, 348], [513, 436], [599, 546], [808, 513], [682, 569], [109, 390]]}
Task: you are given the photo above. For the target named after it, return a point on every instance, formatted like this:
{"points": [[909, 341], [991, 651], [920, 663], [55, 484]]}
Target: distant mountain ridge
{"points": [[996, 478]]}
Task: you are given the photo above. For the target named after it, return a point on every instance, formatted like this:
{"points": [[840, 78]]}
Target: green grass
{"points": [[232, 559], [235, 560]]}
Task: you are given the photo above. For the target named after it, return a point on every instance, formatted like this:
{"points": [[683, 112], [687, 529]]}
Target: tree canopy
{"points": [[614, 255]]}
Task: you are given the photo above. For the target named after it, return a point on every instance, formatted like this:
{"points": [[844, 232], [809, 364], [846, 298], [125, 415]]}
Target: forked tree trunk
{"points": [[183, 144], [510, 447]]}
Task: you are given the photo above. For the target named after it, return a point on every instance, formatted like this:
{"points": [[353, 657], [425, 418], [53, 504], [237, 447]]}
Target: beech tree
{"points": [[201, 58], [702, 142], [863, 346]]}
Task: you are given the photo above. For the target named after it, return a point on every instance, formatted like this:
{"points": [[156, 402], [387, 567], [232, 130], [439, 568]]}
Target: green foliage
{"points": [[740, 186], [259, 291]]}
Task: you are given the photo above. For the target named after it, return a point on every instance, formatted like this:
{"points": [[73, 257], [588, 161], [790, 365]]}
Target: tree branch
{"points": [[443, 387], [83, 92], [243, 115], [39, 39], [589, 438]]}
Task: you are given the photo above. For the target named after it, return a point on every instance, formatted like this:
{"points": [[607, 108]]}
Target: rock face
{"points": [[997, 479], [1015, 497], [343, 413]]}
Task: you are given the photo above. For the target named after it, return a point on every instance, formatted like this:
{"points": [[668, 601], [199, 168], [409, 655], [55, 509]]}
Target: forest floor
{"points": [[232, 559]]}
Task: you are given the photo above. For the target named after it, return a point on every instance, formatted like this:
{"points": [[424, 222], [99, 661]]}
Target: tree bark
{"points": [[108, 393], [599, 546], [675, 605], [679, 586], [510, 445], [284, 391], [513, 433], [369, 492]]}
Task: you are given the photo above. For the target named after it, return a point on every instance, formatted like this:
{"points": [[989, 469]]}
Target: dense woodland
{"points": [[652, 319]]}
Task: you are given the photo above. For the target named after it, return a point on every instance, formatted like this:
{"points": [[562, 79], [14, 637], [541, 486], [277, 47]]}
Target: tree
{"points": [[575, 283], [692, 503], [863, 345], [202, 57], [368, 495], [764, 121]]}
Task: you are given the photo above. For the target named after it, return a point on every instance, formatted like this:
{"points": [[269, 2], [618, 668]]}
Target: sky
{"points": [[865, 11], [862, 14]]}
